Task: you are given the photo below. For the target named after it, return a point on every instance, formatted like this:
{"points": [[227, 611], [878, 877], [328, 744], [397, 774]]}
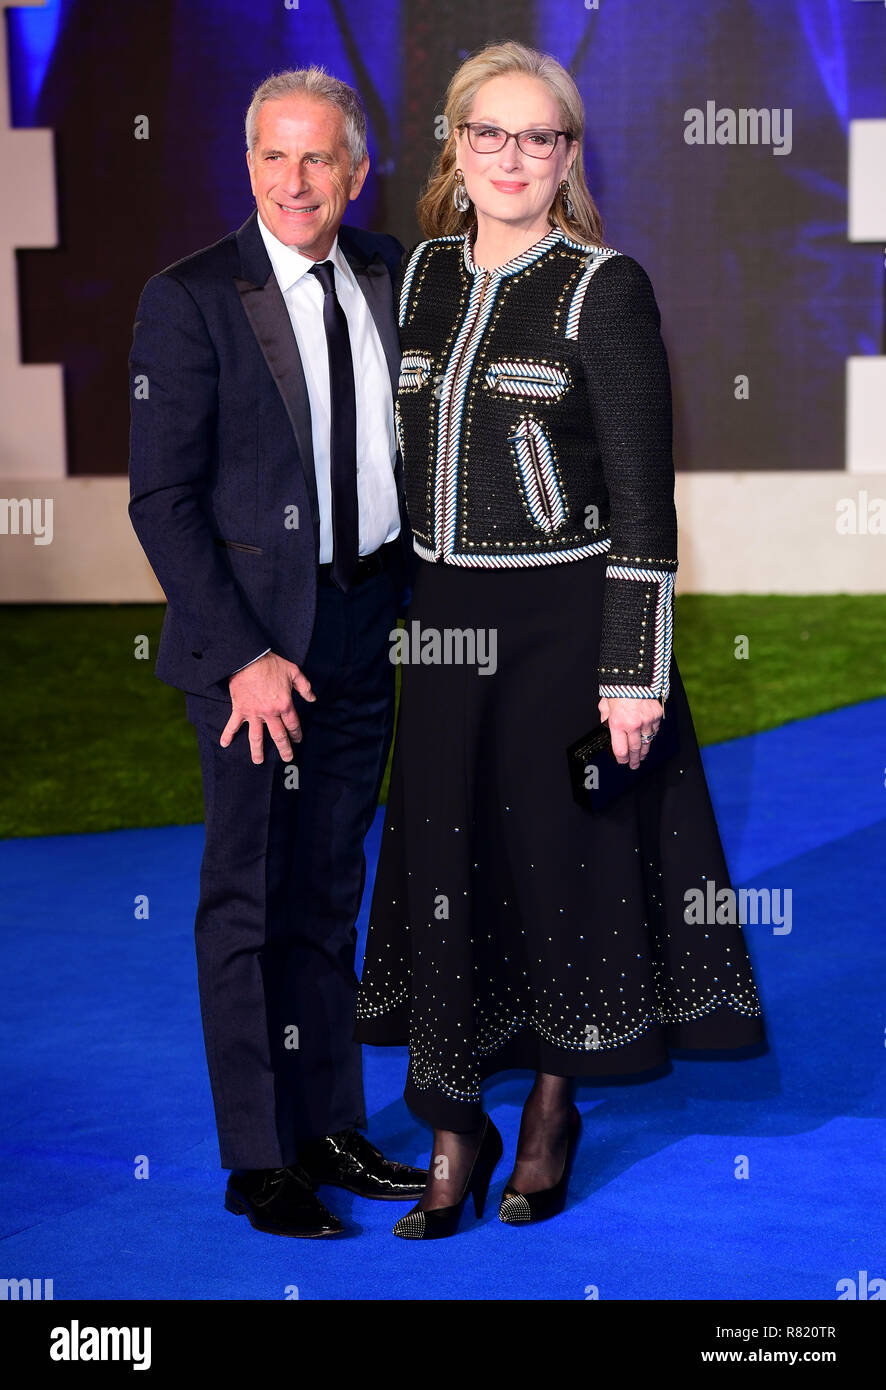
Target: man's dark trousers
{"points": [[280, 888]]}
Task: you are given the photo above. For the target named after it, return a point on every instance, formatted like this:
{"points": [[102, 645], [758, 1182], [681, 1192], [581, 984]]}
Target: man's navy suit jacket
{"points": [[222, 483]]}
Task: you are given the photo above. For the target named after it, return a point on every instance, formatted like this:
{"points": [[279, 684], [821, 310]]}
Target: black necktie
{"points": [[343, 430]]}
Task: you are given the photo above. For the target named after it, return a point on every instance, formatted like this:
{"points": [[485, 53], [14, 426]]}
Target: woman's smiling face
{"points": [[511, 186]]}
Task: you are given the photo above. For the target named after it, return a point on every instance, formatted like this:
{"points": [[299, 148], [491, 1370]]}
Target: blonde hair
{"points": [[437, 214]]}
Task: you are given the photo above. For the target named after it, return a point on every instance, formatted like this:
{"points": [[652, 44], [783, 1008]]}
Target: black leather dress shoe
{"points": [[280, 1201], [348, 1160]]}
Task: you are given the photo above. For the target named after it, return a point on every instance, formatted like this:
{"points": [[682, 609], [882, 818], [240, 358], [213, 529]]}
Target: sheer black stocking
{"points": [[544, 1133], [450, 1163]]}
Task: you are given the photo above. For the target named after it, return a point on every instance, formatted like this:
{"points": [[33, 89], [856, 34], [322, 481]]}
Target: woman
{"points": [[510, 927]]}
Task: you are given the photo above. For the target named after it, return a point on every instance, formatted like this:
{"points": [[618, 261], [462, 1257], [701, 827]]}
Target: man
{"points": [[265, 490]]}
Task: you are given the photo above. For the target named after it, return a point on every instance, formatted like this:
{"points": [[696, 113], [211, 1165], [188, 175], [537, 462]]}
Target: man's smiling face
{"points": [[300, 171]]}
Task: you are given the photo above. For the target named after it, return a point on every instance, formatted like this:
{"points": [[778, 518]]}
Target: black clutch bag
{"points": [[598, 778]]}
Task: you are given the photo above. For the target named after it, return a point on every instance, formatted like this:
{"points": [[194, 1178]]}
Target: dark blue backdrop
{"points": [[747, 249]]}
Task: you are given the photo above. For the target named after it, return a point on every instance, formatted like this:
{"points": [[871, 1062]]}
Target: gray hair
{"points": [[313, 82]]}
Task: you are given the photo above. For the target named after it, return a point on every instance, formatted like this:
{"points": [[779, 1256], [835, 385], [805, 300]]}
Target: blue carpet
{"points": [[103, 1063]]}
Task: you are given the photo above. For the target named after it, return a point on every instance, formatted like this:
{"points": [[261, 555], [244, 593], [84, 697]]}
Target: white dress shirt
{"points": [[378, 511], [379, 515]]}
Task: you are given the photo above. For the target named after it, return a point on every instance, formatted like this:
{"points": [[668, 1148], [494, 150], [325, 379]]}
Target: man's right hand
{"points": [[261, 694]]}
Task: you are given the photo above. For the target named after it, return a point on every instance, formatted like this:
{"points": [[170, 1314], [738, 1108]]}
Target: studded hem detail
{"points": [[426, 1076]]}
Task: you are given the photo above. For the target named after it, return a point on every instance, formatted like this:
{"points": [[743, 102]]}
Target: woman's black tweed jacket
{"points": [[534, 421]]}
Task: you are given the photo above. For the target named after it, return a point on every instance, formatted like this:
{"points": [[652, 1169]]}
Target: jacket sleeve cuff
{"points": [[252, 661], [638, 627]]}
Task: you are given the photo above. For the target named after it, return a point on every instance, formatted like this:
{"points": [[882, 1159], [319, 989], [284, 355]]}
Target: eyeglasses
{"points": [[487, 139]]}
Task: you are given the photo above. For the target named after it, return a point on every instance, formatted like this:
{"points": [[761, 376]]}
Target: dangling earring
{"points": [[460, 193], [568, 206]]}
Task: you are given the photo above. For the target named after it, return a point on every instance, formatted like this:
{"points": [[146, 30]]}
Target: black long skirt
{"points": [[509, 926]]}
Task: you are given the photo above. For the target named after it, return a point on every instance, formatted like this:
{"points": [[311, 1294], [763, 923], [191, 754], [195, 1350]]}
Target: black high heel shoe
{"points": [[518, 1208], [443, 1221]]}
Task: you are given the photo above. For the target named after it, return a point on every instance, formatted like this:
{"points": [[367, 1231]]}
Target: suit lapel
{"points": [[374, 279], [266, 310]]}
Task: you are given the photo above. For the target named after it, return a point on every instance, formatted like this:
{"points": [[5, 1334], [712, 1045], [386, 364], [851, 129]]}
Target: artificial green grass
{"points": [[93, 741]]}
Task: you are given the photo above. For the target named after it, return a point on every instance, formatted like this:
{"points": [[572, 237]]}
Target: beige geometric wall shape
{"points": [[32, 419], [866, 376]]}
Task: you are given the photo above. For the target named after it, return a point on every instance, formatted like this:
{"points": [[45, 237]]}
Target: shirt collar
{"points": [[290, 265]]}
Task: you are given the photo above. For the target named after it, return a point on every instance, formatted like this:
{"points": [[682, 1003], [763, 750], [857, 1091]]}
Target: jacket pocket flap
{"points": [[538, 380]]}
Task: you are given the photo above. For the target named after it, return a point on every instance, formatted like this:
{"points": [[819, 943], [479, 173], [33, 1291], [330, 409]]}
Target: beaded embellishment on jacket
{"points": [[534, 422]]}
